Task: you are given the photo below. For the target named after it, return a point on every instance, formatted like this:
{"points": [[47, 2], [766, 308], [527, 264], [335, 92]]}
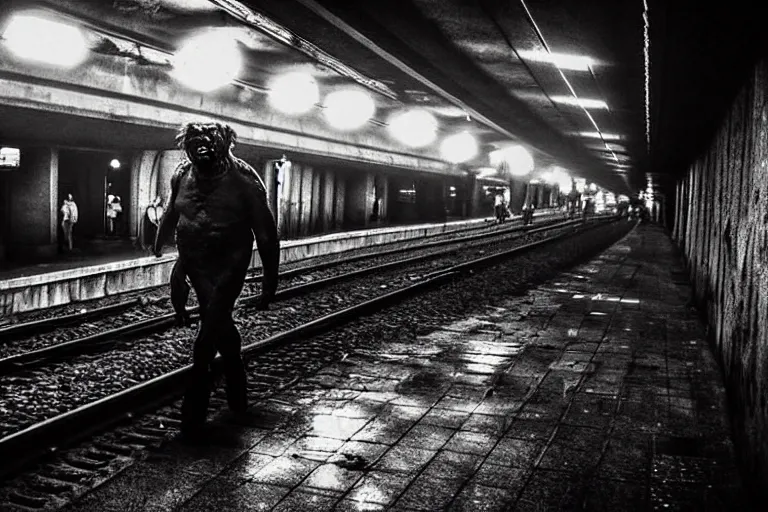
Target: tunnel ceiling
{"points": [[470, 63]]}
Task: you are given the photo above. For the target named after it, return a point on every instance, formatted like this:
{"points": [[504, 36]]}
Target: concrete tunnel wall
{"points": [[721, 224]]}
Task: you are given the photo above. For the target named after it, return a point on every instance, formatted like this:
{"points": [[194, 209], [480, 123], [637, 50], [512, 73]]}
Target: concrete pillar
{"points": [[339, 195], [144, 188], [517, 190], [284, 185], [474, 191], [383, 193], [305, 200], [316, 207], [34, 204], [358, 203], [539, 196], [328, 200], [270, 182]]}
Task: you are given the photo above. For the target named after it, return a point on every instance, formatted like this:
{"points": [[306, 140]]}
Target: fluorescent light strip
{"points": [[580, 102], [546, 46]]}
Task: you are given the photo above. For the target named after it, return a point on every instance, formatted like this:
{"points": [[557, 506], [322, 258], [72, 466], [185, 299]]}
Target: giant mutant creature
{"points": [[217, 204]]}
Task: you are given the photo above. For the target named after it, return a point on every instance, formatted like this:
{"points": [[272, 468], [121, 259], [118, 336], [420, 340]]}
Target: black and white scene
{"points": [[368, 255]]}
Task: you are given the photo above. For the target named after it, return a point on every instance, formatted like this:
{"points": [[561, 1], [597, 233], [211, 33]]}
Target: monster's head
{"points": [[206, 144]]}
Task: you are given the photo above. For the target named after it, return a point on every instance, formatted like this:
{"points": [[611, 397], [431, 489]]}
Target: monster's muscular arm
{"points": [[170, 215], [265, 231]]}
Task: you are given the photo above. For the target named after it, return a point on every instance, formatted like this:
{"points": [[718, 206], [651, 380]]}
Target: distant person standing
{"points": [[68, 219], [114, 208]]}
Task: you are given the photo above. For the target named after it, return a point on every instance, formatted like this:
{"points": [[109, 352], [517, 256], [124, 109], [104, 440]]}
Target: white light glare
{"points": [[598, 135], [414, 128], [561, 60], [561, 178], [207, 61], [115, 163], [514, 159], [459, 147], [347, 110], [580, 102], [41, 40], [581, 184], [293, 93]]}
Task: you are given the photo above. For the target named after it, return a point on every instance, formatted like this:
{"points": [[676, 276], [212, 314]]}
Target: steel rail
{"points": [[105, 339], [14, 331]]}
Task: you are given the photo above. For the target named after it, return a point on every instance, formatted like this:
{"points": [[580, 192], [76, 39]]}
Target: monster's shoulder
{"points": [[249, 174], [181, 170]]}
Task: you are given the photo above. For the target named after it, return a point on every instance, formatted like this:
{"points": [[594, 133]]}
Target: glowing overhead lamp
{"points": [[459, 147], [114, 164], [347, 110], [561, 60], [42, 40], [294, 93], [414, 128], [580, 102], [599, 135], [207, 61], [514, 159], [562, 179]]}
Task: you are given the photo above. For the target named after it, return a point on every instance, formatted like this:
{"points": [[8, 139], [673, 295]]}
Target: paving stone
{"points": [[445, 418], [404, 458], [225, 495], [502, 477], [430, 493], [476, 443], [285, 471], [515, 452], [332, 477], [487, 423], [479, 498], [452, 465], [381, 488], [531, 429], [299, 500], [562, 458], [428, 437]]}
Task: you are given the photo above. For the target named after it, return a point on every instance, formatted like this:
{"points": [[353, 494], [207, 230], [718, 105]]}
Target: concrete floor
{"points": [[594, 391]]}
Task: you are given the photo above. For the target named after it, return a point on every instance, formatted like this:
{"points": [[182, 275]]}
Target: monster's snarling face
{"points": [[206, 144]]}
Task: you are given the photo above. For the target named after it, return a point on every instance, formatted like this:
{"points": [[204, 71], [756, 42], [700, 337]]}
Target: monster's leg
{"points": [[218, 318], [194, 407], [234, 369], [179, 294]]}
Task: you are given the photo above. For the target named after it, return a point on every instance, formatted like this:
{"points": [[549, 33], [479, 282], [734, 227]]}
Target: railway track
{"points": [[96, 330], [24, 446], [39, 322]]}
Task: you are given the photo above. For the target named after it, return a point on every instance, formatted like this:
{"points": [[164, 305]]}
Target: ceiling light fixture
{"points": [[207, 61], [513, 160], [347, 110], [38, 39], [561, 60], [293, 93], [600, 135], [414, 128], [580, 102], [459, 147]]}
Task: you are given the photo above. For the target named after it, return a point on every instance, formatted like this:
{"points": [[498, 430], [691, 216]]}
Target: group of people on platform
{"points": [[70, 216]]}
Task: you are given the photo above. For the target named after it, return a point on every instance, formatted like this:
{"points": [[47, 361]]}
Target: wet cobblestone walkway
{"points": [[595, 391]]}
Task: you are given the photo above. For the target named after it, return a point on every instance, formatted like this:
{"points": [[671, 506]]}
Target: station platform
{"points": [[593, 391], [115, 267]]}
